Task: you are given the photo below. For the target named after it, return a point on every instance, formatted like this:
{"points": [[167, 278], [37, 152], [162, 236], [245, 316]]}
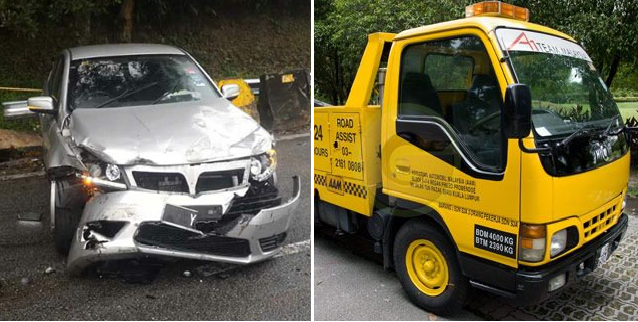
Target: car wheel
{"points": [[427, 267], [66, 207], [66, 222]]}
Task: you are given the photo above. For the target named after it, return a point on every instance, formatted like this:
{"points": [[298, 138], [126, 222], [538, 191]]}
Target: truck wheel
{"points": [[427, 267]]}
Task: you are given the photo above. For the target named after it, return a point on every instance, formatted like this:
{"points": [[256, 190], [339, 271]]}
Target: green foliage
{"points": [[342, 26], [576, 114], [608, 29]]}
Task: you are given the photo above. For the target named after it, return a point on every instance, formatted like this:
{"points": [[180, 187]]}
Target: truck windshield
{"points": [[107, 82], [567, 92]]}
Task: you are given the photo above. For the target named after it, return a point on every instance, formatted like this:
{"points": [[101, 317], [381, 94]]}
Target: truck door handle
{"points": [[402, 166]]}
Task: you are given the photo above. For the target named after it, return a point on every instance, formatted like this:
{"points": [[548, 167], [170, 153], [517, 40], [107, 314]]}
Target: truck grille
{"points": [[161, 181], [169, 237], [209, 181], [600, 220]]}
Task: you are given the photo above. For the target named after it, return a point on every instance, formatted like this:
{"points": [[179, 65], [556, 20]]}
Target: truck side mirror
{"points": [[41, 104], [517, 118], [230, 91]]}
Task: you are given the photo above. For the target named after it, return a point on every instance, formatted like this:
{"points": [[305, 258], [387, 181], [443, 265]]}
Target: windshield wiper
{"points": [[580, 132], [127, 94], [608, 131], [179, 80]]}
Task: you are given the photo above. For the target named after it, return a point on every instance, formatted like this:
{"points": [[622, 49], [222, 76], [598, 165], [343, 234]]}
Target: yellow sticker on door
{"points": [[335, 184]]}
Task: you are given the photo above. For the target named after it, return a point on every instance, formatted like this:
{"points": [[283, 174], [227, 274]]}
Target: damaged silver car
{"points": [[147, 158]]}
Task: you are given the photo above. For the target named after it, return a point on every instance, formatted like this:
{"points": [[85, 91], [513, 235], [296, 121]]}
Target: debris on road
{"points": [[29, 216], [49, 270], [187, 273], [25, 281]]}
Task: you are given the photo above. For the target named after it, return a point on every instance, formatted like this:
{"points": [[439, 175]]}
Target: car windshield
{"points": [[567, 91], [107, 82]]}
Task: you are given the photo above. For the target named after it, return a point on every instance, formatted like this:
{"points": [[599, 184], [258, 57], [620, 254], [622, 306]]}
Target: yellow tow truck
{"points": [[496, 159]]}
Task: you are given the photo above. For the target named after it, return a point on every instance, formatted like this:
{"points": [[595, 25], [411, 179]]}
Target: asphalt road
{"points": [[278, 289], [351, 285]]}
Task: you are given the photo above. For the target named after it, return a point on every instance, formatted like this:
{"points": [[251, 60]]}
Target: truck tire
{"points": [[428, 269], [66, 222]]}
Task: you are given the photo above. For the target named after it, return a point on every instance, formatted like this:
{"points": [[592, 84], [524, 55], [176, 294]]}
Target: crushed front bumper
{"points": [[133, 225]]}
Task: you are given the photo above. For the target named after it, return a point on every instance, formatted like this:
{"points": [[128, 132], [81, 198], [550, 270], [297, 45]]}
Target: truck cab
{"points": [[496, 159]]}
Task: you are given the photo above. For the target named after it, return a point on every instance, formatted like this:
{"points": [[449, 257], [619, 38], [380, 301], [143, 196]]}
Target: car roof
{"points": [[122, 50]]}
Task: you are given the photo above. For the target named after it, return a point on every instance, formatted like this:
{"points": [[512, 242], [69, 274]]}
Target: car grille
{"points": [[209, 181], [161, 181], [169, 237], [271, 243], [258, 197]]}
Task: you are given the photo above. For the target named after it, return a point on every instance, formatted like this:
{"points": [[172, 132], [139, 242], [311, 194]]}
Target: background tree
{"points": [[608, 29]]}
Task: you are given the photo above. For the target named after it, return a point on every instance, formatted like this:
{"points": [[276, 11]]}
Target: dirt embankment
{"points": [[18, 140]]}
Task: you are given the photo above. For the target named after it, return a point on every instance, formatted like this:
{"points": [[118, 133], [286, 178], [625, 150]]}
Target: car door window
{"points": [[451, 82]]}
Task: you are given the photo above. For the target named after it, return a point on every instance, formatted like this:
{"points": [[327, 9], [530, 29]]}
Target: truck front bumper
{"points": [[131, 224], [532, 284]]}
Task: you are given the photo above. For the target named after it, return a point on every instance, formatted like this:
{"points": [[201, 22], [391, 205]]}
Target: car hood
{"points": [[168, 134]]}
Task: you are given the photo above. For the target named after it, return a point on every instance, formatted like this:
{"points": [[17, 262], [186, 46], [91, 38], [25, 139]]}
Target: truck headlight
{"points": [[559, 242], [532, 243], [263, 166]]}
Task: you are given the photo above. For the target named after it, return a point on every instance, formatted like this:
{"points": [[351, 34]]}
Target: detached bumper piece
{"points": [[252, 228]]}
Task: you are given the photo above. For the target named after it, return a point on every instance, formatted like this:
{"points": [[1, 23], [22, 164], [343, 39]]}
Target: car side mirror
{"points": [[517, 118], [41, 104], [230, 91]]}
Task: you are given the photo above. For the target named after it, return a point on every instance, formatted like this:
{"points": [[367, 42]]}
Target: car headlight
{"points": [[112, 172], [99, 173], [99, 169], [263, 166], [559, 242]]}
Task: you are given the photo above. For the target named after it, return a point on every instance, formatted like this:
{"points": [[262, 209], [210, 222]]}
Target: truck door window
{"points": [[451, 82], [454, 71]]}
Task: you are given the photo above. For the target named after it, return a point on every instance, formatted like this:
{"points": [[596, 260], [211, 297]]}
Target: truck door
{"points": [[442, 141]]}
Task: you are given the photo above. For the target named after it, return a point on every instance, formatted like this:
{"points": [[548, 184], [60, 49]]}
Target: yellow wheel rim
{"points": [[427, 267]]}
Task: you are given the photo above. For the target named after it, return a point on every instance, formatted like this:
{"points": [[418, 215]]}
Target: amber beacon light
{"points": [[497, 9]]}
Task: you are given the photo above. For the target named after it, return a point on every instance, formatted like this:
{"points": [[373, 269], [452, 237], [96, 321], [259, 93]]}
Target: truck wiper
{"points": [[127, 94], [608, 131], [580, 132]]}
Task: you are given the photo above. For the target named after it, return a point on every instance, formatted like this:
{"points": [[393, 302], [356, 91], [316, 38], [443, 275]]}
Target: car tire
{"points": [[68, 205], [427, 267], [66, 222]]}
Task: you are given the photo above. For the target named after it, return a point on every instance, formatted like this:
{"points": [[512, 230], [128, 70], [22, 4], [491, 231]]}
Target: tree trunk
{"points": [[612, 70], [126, 17]]}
